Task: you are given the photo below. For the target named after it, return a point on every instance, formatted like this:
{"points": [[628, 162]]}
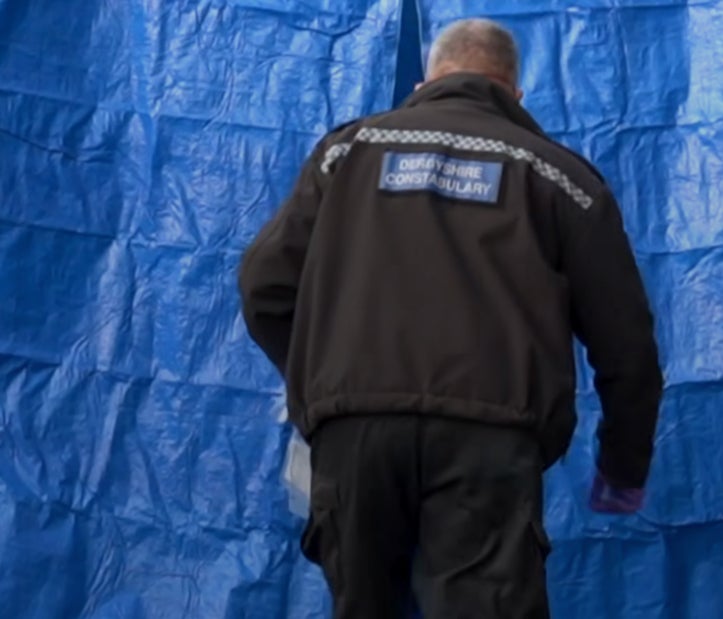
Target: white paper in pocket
{"points": [[296, 475]]}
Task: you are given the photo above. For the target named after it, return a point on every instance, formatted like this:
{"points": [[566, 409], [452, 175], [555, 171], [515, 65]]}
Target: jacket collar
{"points": [[492, 97]]}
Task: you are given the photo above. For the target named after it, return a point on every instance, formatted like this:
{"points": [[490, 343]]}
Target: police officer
{"points": [[420, 291]]}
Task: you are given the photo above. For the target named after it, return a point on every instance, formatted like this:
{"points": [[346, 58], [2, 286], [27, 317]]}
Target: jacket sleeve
{"points": [[611, 317], [271, 268]]}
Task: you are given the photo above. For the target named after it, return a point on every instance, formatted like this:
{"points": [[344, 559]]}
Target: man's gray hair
{"points": [[476, 45]]}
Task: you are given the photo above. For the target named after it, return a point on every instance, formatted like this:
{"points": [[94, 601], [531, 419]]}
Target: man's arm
{"points": [[271, 268], [612, 318]]}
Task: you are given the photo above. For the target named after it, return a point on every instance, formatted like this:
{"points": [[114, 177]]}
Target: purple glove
{"points": [[604, 498]]}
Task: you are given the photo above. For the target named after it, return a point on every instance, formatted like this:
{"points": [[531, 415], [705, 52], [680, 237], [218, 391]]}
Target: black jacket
{"points": [[438, 259]]}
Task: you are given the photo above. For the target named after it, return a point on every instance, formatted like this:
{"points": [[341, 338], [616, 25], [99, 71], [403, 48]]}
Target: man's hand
{"points": [[607, 499]]}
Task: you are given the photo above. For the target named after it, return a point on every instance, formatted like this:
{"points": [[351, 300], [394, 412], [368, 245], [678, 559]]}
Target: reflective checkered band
{"points": [[335, 152], [373, 135]]}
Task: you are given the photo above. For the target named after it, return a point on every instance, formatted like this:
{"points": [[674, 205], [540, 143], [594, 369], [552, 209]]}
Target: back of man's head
{"points": [[475, 46]]}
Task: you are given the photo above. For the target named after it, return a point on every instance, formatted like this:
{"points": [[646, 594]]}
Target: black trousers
{"points": [[453, 506]]}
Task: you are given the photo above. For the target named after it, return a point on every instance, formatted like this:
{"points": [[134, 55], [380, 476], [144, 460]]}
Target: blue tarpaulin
{"points": [[636, 86], [143, 144]]}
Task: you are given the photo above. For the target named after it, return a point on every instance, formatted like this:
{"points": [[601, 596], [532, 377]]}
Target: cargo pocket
{"points": [[320, 540]]}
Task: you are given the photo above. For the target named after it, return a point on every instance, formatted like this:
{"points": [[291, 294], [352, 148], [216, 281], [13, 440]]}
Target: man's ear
{"points": [[519, 94], [418, 85]]}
